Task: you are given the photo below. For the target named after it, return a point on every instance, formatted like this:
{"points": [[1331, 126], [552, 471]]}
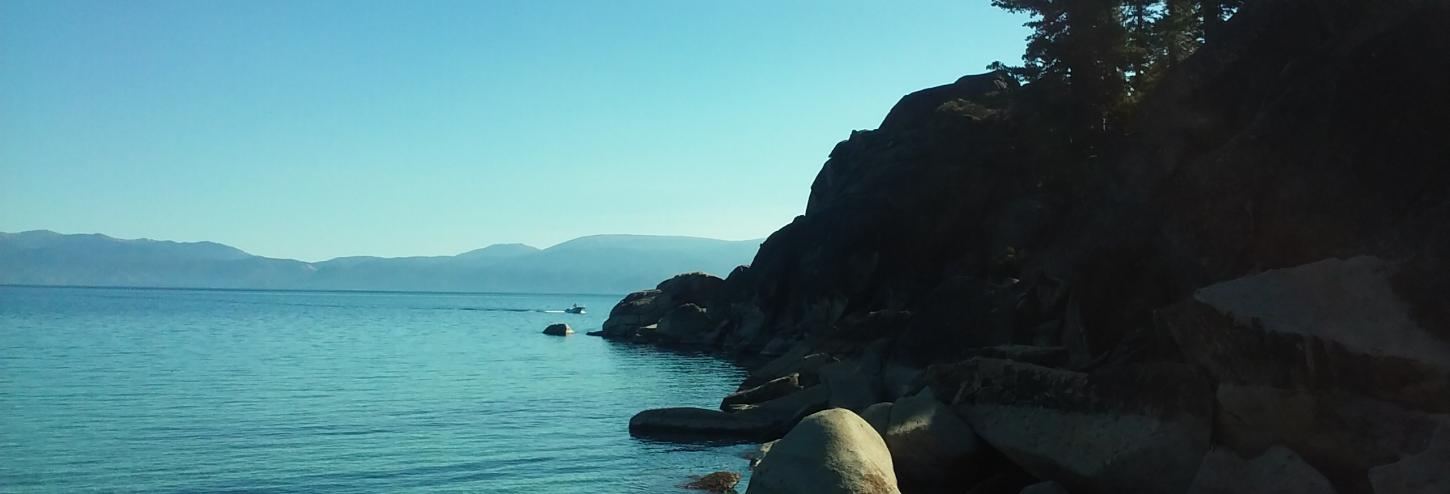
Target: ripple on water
{"points": [[218, 391]]}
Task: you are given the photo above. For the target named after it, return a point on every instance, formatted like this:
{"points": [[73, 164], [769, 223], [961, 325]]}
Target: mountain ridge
{"points": [[608, 263]]}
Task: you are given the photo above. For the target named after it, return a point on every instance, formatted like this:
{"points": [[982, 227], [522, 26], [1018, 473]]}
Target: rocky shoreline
{"points": [[1249, 296]]}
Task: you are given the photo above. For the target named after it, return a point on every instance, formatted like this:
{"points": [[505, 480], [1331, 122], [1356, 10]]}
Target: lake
{"points": [[158, 390]]}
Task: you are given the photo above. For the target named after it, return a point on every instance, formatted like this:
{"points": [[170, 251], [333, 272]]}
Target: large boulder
{"points": [[1341, 435], [830, 452], [1422, 472], [1046, 356], [771, 390], [933, 449], [784, 412], [760, 421], [1327, 359], [1048, 487], [700, 424], [687, 324], [692, 288], [1277, 470], [635, 311], [901, 380], [1142, 428], [686, 296], [801, 360], [1336, 324], [559, 329], [854, 384]]}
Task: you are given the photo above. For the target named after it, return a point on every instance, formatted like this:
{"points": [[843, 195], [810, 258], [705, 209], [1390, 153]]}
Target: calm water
{"points": [[210, 391]]}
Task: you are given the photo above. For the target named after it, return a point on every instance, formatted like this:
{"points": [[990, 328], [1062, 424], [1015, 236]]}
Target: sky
{"points": [[316, 129]]}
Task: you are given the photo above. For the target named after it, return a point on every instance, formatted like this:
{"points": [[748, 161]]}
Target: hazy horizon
{"points": [[323, 129], [466, 250]]}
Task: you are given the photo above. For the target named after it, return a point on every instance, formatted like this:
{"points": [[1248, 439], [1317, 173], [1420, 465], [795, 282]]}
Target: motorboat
{"points": [[576, 309]]}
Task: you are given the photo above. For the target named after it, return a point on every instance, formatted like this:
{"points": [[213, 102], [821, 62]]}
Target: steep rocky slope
{"points": [[1244, 293]]}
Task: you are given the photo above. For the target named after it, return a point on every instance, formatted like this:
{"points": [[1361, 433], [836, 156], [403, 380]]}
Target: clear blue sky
{"points": [[310, 129]]}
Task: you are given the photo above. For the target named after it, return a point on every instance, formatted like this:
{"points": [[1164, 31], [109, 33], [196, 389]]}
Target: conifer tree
{"points": [[1081, 44]]}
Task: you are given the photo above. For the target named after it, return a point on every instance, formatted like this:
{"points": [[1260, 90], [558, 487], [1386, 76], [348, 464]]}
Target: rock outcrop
{"points": [[1245, 288], [831, 452], [688, 324], [675, 312]]}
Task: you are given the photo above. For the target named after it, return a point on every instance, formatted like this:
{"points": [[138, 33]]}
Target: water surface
{"points": [[246, 391]]}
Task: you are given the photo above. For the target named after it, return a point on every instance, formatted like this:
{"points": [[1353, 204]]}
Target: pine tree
{"points": [[1081, 44], [1178, 31], [1107, 53], [1138, 17], [1213, 13]]}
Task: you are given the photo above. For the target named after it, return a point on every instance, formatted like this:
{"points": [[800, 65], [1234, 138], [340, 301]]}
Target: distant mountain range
{"points": [[593, 264]]}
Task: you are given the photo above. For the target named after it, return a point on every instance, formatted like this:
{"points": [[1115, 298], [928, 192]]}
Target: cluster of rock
{"points": [[677, 312], [1248, 297]]}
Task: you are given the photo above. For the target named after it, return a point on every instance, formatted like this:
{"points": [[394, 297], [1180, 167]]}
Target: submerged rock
{"points": [[559, 329], [718, 482], [830, 452]]}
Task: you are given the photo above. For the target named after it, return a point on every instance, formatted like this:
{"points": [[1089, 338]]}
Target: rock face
{"points": [[1137, 429], [830, 452], [687, 324], [559, 329], [1248, 286]]}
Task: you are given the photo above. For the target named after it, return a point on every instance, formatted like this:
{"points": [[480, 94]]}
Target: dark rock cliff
{"points": [[1301, 160]]}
